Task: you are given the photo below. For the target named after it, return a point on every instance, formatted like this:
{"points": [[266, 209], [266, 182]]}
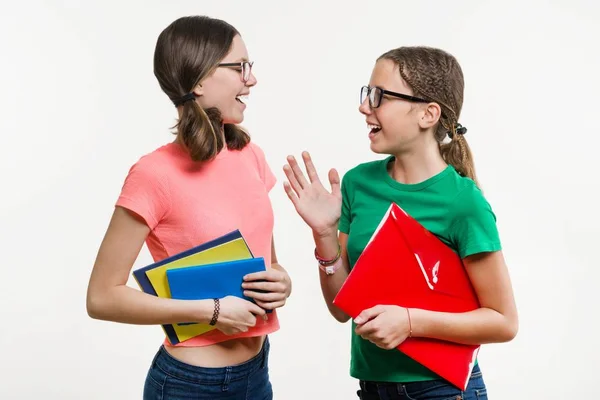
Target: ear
{"points": [[198, 90], [430, 116]]}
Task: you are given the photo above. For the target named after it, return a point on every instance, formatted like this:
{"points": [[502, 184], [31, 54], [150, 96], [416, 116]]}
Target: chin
{"points": [[378, 148], [233, 120]]}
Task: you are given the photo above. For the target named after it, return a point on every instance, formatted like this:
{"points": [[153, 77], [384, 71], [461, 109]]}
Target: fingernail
{"points": [[358, 320]]}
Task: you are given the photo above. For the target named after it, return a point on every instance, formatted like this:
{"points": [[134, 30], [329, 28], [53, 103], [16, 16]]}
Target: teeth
{"points": [[371, 127]]}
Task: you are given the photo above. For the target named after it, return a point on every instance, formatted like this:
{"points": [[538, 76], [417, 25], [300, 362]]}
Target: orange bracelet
{"points": [[409, 323]]}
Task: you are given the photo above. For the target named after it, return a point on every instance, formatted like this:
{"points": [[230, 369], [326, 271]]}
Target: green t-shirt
{"points": [[447, 204]]}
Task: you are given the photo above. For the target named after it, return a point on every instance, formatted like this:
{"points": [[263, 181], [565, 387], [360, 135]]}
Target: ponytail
{"points": [[458, 153], [202, 132]]}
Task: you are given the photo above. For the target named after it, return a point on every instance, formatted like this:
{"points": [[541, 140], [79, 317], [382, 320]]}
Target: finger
{"points": [[293, 181], [261, 275], [255, 309], [334, 181], [290, 193], [310, 168], [269, 275], [264, 286], [368, 314], [367, 329], [270, 305], [297, 171], [264, 296], [381, 345]]}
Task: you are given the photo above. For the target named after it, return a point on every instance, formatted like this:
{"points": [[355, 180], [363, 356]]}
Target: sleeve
{"points": [[474, 228], [265, 172], [344, 223], [145, 193]]}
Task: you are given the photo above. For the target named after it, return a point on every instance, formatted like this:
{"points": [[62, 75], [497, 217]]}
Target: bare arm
{"points": [[496, 320], [275, 265], [327, 247], [108, 296]]}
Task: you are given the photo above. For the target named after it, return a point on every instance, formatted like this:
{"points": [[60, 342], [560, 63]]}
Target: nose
{"points": [[365, 107], [251, 80]]}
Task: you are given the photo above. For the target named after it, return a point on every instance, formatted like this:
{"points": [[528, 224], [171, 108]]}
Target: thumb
{"points": [[368, 314], [334, 181], [255, 309]]}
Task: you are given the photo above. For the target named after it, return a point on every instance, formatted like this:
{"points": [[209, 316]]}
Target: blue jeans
{"points": [[427, 390], [171, 379]]}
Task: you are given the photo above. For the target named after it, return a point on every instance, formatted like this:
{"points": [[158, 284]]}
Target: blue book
{"points": [[173, 331], [214, 280]]}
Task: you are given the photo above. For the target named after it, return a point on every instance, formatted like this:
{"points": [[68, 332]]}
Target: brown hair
{"points": [[436, 75], [187, 51]]}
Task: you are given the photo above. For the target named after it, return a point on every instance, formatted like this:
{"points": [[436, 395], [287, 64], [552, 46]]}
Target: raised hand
{"points": [[318, 207]]}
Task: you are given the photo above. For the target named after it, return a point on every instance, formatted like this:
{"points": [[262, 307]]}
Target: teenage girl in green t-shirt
{"points": [[412, 106]]}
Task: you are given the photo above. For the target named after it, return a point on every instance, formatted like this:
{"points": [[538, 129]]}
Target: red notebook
{"points": [[406, 265]]}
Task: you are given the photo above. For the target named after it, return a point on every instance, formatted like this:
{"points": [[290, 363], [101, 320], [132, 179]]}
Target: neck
{"points": [[417, 165]]}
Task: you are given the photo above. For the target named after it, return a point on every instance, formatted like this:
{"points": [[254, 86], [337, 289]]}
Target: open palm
{"points": [[318, 207]]}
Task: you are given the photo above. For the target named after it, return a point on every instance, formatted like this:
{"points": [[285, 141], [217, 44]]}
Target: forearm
{"points": [[480, 326], [127, 305], [327, 248]]}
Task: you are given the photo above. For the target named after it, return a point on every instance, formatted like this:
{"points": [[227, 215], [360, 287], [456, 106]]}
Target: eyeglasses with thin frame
{"points": [[375, 94], [245, 67]]}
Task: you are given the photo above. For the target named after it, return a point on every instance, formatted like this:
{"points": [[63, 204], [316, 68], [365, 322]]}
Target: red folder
{"points": [[406, 265]]}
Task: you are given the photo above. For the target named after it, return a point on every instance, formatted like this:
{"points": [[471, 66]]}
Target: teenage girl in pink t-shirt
{"points": [[209, 181]]}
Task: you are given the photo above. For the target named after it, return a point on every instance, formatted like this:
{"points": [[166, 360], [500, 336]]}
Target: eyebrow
{"points": [[237, 60]]}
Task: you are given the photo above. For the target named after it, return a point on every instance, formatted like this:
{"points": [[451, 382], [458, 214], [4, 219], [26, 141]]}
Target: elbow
{"points": [[93, 308], [339, 315], [509, 330], [95, 305]]}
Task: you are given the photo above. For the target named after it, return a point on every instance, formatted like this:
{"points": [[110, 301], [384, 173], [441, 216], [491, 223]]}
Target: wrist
{"points": [[325, 233], [200, 311], [327, 245], [418, 322]]}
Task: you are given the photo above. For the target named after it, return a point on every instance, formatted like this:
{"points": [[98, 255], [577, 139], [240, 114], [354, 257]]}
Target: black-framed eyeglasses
{"points": [[375, 94], [245, 67]]}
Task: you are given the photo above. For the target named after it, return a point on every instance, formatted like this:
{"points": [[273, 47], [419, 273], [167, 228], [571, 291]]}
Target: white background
{"points": [[79, 104]]}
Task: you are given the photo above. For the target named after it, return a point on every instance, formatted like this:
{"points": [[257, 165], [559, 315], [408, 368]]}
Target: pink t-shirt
{"points": [[186, 204]]}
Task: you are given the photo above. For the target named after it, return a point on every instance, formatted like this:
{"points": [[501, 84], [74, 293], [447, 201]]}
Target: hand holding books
{"points": [[269, 289], [233, 315], [386, 326]]}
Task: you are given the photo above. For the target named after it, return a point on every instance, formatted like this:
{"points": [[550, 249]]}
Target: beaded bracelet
{"points": [[213, 321], [324, 262], [329, 266]]}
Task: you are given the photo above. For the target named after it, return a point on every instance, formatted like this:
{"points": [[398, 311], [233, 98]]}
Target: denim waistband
{"points": [[205, 375], [375, 387]]}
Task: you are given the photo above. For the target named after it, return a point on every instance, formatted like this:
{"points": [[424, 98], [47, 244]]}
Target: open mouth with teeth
{"points": [[373, 129], [241, 98]]}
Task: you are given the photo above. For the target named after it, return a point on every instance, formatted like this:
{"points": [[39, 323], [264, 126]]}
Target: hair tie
{"points": [[186, 97], [459, 129]]}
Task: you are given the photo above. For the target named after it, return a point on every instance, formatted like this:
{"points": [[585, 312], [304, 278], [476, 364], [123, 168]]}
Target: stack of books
{"points": [[214, 269]]}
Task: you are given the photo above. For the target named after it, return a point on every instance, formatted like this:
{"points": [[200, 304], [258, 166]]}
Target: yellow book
{"points": [[152, 279]]}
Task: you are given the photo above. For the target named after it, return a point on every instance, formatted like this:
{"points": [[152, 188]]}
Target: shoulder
{"points": [[153, 166], [470, 200], [254, 151]]}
